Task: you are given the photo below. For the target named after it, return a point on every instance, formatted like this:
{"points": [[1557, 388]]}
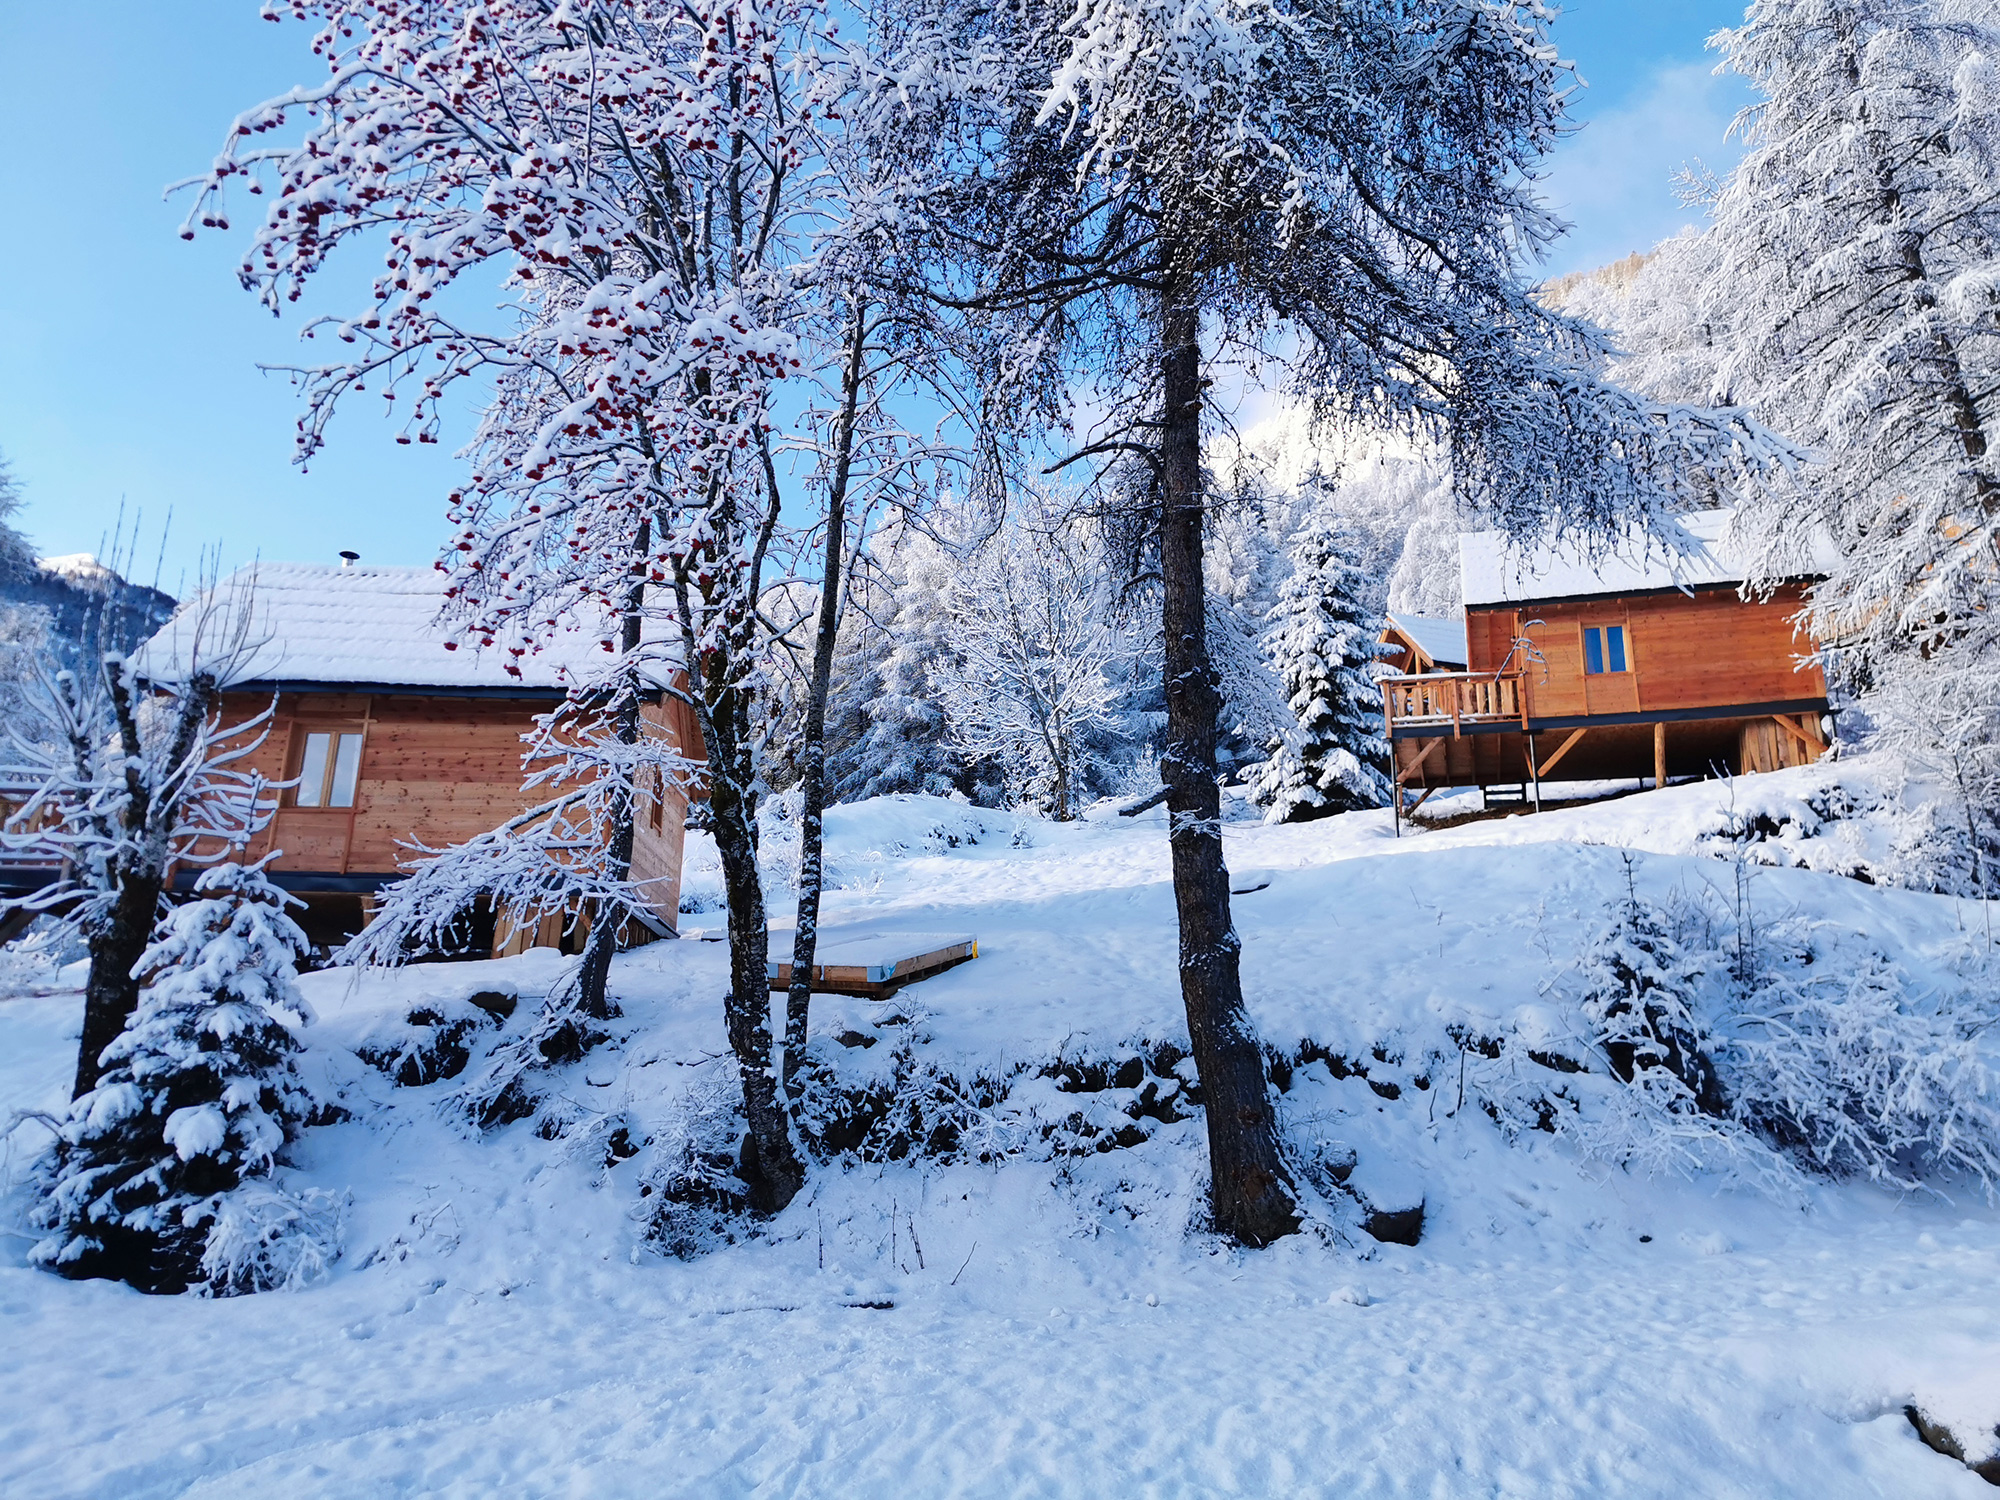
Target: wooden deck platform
{"points": [[872, 963]]}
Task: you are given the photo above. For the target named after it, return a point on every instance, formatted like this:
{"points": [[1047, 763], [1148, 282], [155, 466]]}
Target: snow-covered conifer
{"points": [[1322, 643], [198, 1095], [1638, 999], [900, 740]]}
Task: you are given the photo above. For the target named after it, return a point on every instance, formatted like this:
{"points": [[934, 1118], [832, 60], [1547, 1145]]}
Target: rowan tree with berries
{"points": [[643, 175]]}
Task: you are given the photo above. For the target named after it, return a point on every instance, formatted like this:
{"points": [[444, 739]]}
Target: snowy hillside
{"points": [[1004, 1289]]}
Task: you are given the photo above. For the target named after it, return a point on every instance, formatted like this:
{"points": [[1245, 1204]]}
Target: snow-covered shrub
{"points": [[434, 1038], [693, 1200], [265, 1238], [198, 1095], [1842, 1066], [1761, 1048]]}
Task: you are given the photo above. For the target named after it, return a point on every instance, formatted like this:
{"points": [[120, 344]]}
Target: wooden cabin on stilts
{"points": [[1647, 658]]}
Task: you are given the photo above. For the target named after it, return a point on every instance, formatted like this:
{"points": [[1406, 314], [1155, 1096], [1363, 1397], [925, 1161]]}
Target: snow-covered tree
{"points": [[1426, 579], [16, 555], [1942, 729], [1853, 259], [891, 695], [199, 1094], [1132, 180], [1032, 678], [129, 776], [1672, 329], [1638, 1000], [1322, 644], [646, 176]]}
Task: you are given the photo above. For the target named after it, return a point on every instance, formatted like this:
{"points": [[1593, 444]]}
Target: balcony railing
{"points": [[1438, 700]]}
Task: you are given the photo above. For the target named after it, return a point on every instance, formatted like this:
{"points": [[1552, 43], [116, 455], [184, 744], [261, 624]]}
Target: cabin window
{"points": [[329, 771], [658, 811], [1603, 649]]}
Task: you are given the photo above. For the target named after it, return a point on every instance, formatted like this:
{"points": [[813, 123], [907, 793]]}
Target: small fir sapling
{"points": [[1639, 1003], [198, 1095], [1322, 643], [890, 692]]}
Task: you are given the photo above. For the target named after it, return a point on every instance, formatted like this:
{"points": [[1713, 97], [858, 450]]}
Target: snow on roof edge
{"points": [[1690, 551], [371, 625]]}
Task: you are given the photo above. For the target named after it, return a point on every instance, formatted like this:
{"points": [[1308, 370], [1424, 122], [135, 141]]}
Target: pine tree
{"points": [[1322, 643], [198, 1094], [1639, 1003], [899, 740]]}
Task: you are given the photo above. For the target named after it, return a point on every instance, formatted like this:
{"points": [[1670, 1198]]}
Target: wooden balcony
{"points": [[1438, 701]]}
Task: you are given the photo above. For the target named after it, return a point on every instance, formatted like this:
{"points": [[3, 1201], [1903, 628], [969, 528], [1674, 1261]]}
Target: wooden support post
{"points": [[1659, 755], [1534, 774], [1561, 750], [1406, 773], [1784, 722], [1430, 748]]}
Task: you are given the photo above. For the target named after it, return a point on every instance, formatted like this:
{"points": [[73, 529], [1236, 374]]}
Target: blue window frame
{"points": [[1603, 649]]}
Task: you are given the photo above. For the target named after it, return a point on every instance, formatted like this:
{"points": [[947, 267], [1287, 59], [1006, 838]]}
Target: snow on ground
{"points": [[500, 1324]]}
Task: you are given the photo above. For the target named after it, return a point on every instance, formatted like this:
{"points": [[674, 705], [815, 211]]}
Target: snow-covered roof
{"points": [[1442, 640], [322, 625], [1691, 550]]}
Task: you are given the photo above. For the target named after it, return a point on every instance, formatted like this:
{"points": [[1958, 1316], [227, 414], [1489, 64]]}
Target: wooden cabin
{"points": [[1645, 658], [392, 733]]}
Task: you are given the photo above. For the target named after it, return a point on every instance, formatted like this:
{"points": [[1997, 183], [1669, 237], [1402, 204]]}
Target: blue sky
{"points": [[128, 358]]}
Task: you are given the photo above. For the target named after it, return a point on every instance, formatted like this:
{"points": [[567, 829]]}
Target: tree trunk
{"points": [[812, 779], [594, 978], [770, 1165], [1251, 1194], [111, 993], [1961, 409], [147, 819]]}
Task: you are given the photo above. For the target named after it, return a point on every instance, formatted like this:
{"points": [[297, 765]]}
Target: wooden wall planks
{"points": [[1708, 649], [434, 771]]}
